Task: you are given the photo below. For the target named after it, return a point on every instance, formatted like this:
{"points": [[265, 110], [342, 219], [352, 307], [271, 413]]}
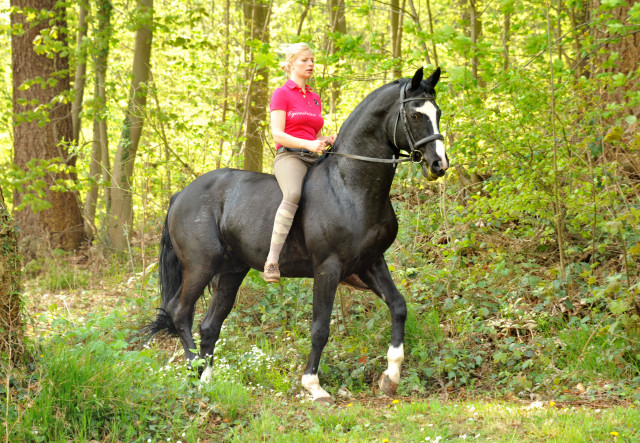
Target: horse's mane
{"points": [[374, 95]]}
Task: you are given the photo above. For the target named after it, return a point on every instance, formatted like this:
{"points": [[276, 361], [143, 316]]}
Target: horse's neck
{"points": [[365, 134]]}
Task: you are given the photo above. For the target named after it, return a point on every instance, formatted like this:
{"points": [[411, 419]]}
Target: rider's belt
{"points": [[302, 151]]}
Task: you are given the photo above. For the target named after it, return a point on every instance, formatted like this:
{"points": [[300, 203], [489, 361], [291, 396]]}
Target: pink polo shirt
{"points": [[304, 119]]}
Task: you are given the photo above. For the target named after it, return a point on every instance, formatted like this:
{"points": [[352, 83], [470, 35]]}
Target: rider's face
{"points": [[302, 67]]}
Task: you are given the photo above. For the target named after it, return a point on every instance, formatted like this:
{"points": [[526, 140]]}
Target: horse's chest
{"points": [[353, 235]]}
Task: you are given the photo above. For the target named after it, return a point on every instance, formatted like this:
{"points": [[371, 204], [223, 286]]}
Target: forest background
{"points": [[520, 267]]}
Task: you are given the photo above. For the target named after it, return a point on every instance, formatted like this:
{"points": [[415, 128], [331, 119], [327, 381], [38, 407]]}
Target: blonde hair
{"points": [[292, 52]]}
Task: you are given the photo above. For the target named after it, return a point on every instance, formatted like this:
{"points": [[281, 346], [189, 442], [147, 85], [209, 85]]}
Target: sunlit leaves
{"points": [[634, 13], [611, 4]]}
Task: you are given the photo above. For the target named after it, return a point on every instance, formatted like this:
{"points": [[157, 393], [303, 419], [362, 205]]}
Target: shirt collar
{"points": [[292, 85]]}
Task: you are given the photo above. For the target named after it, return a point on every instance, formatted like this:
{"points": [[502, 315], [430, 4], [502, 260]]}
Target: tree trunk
{"points": [[303, 16], [225, 88], [43, 127], [121, 210], [396, 37], [416, 19], [81, 70], [506, 36], [257, 15], [579, 15], [475, 28], [626, 48], [433, 45], [100, 165], [338, 24], [11, 327]]}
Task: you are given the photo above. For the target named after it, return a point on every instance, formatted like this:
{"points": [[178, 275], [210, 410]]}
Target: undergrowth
{"points": [[485, 319]]}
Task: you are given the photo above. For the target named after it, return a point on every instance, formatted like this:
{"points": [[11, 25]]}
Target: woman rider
{"points": [[296, 124], [296, 127]]}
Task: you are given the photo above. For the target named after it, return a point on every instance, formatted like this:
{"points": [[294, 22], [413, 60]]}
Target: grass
{"points": [[93, 393], [434, 420]]}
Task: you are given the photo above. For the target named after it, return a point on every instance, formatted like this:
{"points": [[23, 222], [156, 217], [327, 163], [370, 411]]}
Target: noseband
{"points": [[415, 156]]}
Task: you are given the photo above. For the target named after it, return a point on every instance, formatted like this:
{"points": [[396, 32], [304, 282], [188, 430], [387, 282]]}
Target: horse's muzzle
{"points": [[433, 171]]}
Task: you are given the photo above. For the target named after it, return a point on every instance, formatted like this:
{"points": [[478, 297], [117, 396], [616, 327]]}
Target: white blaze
{"points": [[429, 109]]}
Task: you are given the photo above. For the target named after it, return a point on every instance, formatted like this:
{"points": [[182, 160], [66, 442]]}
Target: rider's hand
{"points": [[317, 146]]}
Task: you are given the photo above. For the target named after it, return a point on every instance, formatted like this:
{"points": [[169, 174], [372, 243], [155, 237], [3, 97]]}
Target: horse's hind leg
{"points": [[222, 301], [378, 278], [182, 308]]}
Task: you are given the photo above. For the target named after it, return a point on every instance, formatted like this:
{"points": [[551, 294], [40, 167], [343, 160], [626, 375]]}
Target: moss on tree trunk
{"points": [[11, 326]]}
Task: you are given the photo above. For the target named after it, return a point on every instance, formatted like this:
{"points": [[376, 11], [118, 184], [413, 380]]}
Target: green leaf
{"points": [[611, 4], [615, 133], [617, 307], [634, 13], [619, 79], [499, 357]]}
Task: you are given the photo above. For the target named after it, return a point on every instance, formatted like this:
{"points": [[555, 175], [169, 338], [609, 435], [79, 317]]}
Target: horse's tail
{"points": [[170, 276]]}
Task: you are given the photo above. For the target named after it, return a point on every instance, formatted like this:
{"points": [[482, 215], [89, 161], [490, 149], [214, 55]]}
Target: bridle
{"points": [[414, 156]]}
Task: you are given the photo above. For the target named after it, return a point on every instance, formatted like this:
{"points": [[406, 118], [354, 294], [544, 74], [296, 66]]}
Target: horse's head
{"points": [[418, 120]]}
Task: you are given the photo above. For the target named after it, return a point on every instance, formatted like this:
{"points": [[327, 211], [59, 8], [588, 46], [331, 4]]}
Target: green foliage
{"points": [[55, 272], [492, 306], [90, 387], [41, 176]]}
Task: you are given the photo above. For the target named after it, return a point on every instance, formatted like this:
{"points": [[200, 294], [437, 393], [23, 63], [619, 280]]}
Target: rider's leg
{"points": [[281, 227], [290, 169]]}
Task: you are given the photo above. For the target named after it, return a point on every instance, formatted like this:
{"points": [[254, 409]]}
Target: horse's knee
{"points": [[319, 336], [399, 309], [209, 333]]}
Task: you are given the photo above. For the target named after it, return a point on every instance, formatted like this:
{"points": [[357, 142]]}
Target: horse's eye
{"points": [[414, 116]]}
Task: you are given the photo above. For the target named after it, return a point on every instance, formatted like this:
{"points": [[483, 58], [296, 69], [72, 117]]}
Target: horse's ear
{"points": [[417, 79], [433, 78]]}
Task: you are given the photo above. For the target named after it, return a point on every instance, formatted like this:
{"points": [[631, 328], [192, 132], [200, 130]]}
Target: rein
{"points": [[415, 156], [393, 159]]}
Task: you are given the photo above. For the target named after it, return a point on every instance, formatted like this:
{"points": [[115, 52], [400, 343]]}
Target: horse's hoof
{"points": [[205, 377], [387, 386], [324, 401]]}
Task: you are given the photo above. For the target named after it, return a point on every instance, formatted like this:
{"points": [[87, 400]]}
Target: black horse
{"points": [[219, 226]]}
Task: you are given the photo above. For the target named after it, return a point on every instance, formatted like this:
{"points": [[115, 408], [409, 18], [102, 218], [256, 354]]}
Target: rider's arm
{"points": [[278, 119]]}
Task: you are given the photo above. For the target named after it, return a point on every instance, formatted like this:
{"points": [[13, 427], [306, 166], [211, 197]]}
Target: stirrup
{"points": [[271, 273]]}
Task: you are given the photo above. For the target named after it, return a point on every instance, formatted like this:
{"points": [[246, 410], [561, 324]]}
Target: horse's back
{"points": [[226, 212], [221, 189]]}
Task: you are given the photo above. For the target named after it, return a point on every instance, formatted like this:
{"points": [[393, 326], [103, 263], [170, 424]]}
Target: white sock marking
{"points": [[395, 356], [312, 384], [206, 375]]}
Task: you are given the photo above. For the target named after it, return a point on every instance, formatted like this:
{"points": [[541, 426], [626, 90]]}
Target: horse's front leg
{"points": [[378, 278], [324, 292]]}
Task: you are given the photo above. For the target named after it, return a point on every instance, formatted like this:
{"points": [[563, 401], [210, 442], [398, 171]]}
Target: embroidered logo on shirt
{"points": [[292, 114], [316, 102]]}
